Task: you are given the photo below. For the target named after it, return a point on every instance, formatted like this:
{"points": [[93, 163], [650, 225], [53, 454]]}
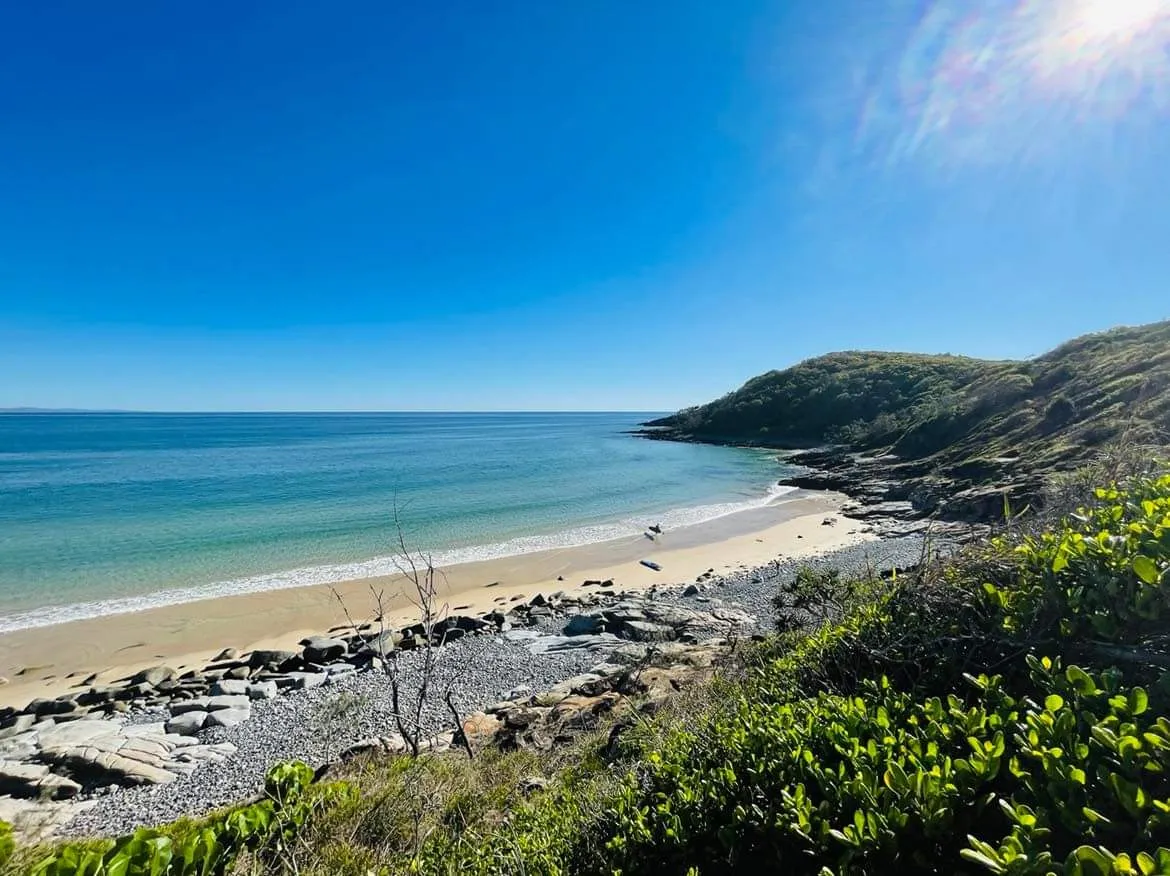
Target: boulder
{"points": [[262, 690], [381, 643], [323, 649], [43, 707], [154, 676], [587, 684], [265, 658], [644, 631], [230, 687], [501, 621], [584, 625], [135, 691], [226, 654], [480, 724], [228, 701], [182, 707], [20, 724], [518, 719], [228, 717], [391, 744], [187, 723], [29, 780], [97, 696], [304, 680]]}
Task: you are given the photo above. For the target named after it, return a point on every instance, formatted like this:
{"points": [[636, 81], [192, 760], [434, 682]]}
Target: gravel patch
{"points": [[752, 590], [317, 725]]}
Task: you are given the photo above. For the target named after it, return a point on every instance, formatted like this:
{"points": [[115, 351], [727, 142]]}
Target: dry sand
{"points": [[51, 660]]}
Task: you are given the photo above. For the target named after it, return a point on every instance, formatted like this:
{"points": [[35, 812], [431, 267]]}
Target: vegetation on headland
{"points": [[1005, 710], [951, 411]]}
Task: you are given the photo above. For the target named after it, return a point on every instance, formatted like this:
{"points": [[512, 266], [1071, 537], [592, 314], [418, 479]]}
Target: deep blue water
{"points": [[134, 507]]}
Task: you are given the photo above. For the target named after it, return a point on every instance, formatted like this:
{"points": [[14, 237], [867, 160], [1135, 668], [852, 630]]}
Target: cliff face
{"points": [[947, 424]]}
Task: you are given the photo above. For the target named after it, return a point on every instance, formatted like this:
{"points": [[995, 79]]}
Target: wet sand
{"points": [[48, 661]]}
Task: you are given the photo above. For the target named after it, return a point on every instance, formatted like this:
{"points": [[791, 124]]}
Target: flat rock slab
{"points": [[187, 724], [35, 821], [182, 707], [29, 780], [230, 687], [154, 728], [106, 767], [584, 625], [228, 717], [558, 644], [392, 744], [211, 704], [262, 690], [523, 635], [21, 746], [229, 701], [323, 649], [303, 680], [644, 631], [77, 733]]}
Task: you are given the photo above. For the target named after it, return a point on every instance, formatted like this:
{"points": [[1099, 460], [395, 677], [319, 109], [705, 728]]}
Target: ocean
{"points": [[108, 513]]}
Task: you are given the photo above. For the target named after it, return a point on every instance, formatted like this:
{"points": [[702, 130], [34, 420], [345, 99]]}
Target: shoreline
{"points": [[51, 660], [332, 573]]}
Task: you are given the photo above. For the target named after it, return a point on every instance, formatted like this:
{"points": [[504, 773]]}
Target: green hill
{"points": [[952, 416]]}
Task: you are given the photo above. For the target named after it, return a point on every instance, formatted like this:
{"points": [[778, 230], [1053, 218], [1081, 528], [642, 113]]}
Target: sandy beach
{"points": [[51, 660]]}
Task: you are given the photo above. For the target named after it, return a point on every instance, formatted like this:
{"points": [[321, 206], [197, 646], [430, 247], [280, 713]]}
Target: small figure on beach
{"points": [[651, 565], [656, 529]]}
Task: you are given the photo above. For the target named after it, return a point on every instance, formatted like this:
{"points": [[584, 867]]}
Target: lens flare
{"points": [[1118, 19], [1020, 81]]}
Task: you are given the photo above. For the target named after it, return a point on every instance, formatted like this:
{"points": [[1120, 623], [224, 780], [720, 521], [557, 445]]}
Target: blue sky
{"points": [[608, 205]]}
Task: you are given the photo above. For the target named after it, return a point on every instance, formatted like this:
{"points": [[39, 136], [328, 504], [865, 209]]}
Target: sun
{"points": [[1118, 19]]}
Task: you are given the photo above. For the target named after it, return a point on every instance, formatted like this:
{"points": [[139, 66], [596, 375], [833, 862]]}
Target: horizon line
{"points": [[31, 410]]}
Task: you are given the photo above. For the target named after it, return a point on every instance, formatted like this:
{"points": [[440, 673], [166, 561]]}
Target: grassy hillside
{"points": [[1056, 408], [1004, 711]]}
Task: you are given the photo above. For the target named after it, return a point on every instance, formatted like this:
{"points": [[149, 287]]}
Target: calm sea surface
{"points": [[102, 513]]}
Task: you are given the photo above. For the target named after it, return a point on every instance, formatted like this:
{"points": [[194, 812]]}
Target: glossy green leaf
{"points": [[1145, 569]]}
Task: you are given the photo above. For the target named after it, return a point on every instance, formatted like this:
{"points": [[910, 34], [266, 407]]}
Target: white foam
{"points": [[379, 566]]}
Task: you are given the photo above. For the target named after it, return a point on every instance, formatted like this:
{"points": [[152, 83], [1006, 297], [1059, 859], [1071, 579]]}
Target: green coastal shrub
{"points": [[1039, 770], [1054, 782], [1100, 578], [209, 846], [7, 843]]}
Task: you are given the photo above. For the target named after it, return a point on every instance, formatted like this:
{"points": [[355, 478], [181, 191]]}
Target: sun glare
{"points": [[1118, 19]]}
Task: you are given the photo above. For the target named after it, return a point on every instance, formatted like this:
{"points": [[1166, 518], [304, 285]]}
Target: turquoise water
{"points": [[102, 513]]}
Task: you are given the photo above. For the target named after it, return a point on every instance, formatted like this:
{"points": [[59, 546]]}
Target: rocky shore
{"points": [[901, 497], [160, 744]]}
